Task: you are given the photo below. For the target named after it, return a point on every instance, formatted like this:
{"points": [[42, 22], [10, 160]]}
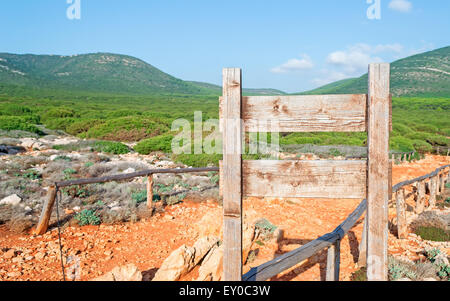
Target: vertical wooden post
{"points": [[150, 191], [420, 201], [433, 185], [442, 183], [232, 172], [333, 261], [362, 258], [401, 215], [378, 165], [46, 212]]}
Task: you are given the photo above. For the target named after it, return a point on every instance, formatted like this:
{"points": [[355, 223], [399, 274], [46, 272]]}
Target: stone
{"points": [[13, 200], [432, 219], [202, 247], [176, 265], [127, 272], [430, 279], [404, 279], [9, 254], [211, 268]]}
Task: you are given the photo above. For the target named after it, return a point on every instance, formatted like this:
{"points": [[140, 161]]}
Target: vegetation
{"points": [[433, 233], [87, 217]]}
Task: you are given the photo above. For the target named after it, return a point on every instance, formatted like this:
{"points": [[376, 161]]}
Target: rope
{"points": [[59, 232]]}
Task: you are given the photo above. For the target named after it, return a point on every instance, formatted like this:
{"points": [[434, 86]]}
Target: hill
{"points": [[422, 75], [99, 73], [218, 89]]}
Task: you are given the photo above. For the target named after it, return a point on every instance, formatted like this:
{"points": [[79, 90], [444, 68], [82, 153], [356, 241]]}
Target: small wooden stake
{"points": [[333, 261], [362, 258], [420, 201], [401, 215], [47, 212], [150, 191], [433, 186]]}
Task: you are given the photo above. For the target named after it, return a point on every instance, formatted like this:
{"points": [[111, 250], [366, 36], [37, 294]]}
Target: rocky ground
{"points": [[145, 240]]}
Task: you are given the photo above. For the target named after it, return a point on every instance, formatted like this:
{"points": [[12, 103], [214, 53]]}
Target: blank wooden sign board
{"points": [[369, 178]]}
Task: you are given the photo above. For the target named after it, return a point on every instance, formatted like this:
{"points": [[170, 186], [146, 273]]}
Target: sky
{"points": [[291, 45]]}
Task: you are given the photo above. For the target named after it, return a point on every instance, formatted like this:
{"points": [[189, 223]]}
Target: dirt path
{"points": [[147, 243]]}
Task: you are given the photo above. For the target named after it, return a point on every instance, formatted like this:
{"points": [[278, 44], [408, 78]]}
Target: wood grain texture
{"points": [[402, 225], [46, 212], [304, 113], [333, 261], [378, 126], [232, 177], [305, 179]]}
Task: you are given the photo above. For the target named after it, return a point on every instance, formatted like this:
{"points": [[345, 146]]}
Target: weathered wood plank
{"points": [[378, 109], [305, 113], [401, 215], [46, 212], [305, 179], [232, 178], [333, 261], [150, 191], [420, 198]]}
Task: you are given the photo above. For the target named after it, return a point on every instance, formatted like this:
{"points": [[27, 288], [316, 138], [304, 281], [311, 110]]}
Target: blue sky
{"points": [[292, 45]]}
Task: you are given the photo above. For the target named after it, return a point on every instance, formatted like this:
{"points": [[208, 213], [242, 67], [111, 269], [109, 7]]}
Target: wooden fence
{"points": [[49, 203], [370, 179]]}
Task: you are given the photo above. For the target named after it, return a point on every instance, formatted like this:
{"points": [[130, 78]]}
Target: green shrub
{"points": [[159, 143], [88, 217], [139, 197], [82, 126], [433, 233], [11, 123], [422, 146], [202, 160], [110, 147], [60, 112]]}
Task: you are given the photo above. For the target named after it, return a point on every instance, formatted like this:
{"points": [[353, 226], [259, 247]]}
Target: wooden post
{"points": [[378, 165], [420, 201], [433, 187], [150, 191], [362, 258], [232, 172], [46, 212], [401, 215], [333, 261], [442, 183]]}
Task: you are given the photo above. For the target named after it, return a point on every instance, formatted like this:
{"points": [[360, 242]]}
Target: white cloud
{"points": [[403, 6], [294, 65], [354, 60]]}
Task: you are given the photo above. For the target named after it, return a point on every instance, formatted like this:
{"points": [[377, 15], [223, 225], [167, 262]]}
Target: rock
{"points": [[177, 264], [9, 254], [168, 217], [202, 247], [404, 279], [40, 255], [14, 274], [211, 268], [129, 170], [128, 272], [441, 259], [429, 279], [13, 200], [432, 219]]}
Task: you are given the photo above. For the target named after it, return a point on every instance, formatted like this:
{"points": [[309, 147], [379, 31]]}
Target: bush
{"points": [[87, 217], [202, 160], [160, 143], [110, 147], [79, 127], [433, 233], [58, 113], [11, 123]]}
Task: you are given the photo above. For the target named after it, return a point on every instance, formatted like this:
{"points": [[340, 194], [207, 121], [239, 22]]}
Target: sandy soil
{"points": [[98, 249]]}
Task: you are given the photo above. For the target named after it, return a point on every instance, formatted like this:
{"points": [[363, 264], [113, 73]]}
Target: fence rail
{"points": [[44, 219]]}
